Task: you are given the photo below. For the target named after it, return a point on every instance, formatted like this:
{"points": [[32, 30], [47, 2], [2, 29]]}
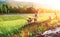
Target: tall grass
{"points": [[11, 25]]}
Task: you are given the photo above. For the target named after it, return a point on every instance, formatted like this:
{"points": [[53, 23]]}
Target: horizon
{"points": [[49, 4]]}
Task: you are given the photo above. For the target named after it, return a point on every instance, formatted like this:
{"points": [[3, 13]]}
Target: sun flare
{"points": [[50, 4]]}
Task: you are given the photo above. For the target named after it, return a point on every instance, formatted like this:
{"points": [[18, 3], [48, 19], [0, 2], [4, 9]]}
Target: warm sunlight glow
{"points": [[50, 4]]}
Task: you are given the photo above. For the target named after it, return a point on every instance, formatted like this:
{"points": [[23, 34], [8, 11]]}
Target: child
{"points": [[29, 20], [36, 16]]}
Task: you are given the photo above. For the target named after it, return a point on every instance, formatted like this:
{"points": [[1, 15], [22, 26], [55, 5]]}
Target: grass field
{"points": [[11, 25]]}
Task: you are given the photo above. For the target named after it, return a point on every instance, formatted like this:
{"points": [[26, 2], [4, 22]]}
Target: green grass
{"points": [[11, 25], [9, 18]]}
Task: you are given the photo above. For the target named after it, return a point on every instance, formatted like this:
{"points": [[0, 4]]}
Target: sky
{"points": [[50, 4]]}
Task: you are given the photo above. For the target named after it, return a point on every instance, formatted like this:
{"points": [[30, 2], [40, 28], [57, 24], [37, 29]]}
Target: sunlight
{"points": [[50, 4]]}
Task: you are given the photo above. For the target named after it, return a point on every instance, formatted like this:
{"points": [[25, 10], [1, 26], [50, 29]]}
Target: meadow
{"points": [[15, 26], [11, 25]]}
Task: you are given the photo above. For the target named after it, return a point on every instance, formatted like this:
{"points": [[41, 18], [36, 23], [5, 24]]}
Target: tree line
{"points": [[11, 9]]}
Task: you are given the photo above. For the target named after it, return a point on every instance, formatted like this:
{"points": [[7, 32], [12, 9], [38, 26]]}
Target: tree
{"points": [[31, 10]]}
